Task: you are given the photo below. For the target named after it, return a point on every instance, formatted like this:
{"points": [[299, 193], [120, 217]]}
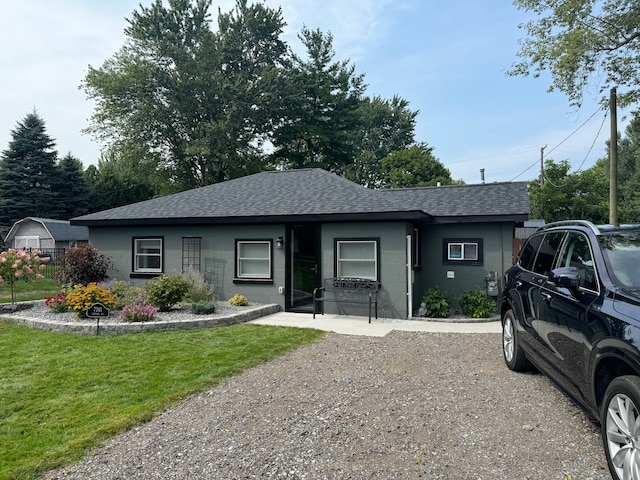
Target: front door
{"points": [[303, 267]]}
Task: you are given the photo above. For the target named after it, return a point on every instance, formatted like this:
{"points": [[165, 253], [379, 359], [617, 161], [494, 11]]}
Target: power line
{"points": [[559, 144]]}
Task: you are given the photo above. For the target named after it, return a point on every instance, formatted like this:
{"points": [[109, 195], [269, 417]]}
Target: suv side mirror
{"points": [[567, 277]]}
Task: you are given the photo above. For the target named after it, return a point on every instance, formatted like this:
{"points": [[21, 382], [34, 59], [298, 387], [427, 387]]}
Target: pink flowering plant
{"points": [[20, 265], [138, 312]]}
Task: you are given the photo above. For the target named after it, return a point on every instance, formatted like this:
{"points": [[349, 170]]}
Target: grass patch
{"points": [[26, 291], [62, 394]]}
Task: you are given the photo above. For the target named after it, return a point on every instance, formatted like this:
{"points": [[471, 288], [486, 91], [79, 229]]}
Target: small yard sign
{"points": [[97, 310]]}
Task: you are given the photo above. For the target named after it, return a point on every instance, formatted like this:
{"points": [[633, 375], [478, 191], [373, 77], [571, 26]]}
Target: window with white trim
{"points": [[253, 259], [462, 251], [147, 255], [357, 258]]}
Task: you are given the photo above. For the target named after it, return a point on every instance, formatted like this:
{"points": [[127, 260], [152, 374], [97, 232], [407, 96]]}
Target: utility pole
{"points": [[613, 160], [542, 165]]}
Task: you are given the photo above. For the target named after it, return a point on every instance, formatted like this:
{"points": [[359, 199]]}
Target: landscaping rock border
{"points": [[168, 322]]}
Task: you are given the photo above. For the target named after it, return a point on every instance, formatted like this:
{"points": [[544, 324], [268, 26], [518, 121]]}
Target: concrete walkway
{"points": [[349, 325]]}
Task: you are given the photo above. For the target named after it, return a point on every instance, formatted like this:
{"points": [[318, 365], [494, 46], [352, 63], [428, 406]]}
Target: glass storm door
{"points": [[304, 267]]}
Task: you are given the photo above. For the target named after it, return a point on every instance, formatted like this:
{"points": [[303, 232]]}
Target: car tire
{"points": [[513, 355], [620, 421]]}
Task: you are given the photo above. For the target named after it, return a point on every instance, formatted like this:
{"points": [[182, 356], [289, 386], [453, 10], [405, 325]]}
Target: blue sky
{"points": [[448, 59]]}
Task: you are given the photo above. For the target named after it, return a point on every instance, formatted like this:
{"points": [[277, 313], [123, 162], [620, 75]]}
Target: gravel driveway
{"points": [[404, 406]]}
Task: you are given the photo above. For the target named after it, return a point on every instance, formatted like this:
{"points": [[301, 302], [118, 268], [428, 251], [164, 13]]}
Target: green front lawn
{"points": [[25, 291], [61, 394]]}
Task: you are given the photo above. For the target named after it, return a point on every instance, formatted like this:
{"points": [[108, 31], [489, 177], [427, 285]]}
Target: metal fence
{"points": [[55, 258]]}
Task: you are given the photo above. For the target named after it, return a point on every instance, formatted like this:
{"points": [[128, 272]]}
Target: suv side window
{"points": [[547, 253], [577, 253], [528, 252]]}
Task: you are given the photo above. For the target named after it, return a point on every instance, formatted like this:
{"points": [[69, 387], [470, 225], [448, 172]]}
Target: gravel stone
{"points": [[407, 405]]}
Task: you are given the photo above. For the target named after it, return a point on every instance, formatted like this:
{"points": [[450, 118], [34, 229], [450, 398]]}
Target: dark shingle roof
{"points": [[63, 231], [275, 196], [60, 230]]}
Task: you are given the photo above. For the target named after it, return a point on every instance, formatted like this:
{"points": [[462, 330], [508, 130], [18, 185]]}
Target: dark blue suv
{"points": [[570, 307]]}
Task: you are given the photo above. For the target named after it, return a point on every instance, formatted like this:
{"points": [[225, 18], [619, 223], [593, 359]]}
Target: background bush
{"points": [[199, 289], [239, 300], [476, 304], [83, 296], [126, 293], [82, 265], [203, 308], [166, 291], [437, 302]]}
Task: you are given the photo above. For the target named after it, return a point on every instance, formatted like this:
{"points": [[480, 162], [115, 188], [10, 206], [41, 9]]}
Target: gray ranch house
{"points": [[274, 236]]}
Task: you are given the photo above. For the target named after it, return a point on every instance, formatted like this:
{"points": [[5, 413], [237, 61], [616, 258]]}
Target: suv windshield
{"points": [[621, 252]]}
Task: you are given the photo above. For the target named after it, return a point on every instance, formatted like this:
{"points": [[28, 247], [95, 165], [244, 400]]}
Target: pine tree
{"points": [[72, 190], [27, 173]]}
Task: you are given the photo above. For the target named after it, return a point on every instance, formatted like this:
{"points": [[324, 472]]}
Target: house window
{"points": [[466, 251], [191, 254], [357, 258], [253, 259], [147, 255]]}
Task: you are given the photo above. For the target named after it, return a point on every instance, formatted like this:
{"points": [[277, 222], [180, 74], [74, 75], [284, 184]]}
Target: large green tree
{"points": [[113, 182], [28, 174], [386, 126], [564, 195], [583, 43], [198, 103], [414, 167], [629, 173], [322, 116]]}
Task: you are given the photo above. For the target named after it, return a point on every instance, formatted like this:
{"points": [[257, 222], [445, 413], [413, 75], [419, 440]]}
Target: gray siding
{"points": [[497, 239], [217, 252], [392, 268]]}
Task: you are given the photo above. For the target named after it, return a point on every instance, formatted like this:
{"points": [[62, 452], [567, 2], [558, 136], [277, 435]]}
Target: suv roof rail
{"points": [[579, 223]]}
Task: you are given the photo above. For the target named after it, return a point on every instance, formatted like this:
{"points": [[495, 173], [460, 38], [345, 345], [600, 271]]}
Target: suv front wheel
{"points": [[513, 355], [620, 423]]}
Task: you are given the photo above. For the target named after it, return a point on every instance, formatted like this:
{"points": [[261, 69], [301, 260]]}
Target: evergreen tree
{"points": [[73, 190], [322, 120], [28, 173]]}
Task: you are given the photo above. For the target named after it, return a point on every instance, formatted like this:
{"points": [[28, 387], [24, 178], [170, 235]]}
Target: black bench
{"points": [[360, 291]]}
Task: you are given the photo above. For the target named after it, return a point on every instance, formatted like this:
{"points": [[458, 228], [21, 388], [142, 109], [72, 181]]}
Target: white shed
{"points": [[45, 233]]}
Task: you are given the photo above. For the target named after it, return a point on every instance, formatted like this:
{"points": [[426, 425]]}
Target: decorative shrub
{"points": [[57, 303], [203, 308], [476, 304], [239, 300], [82, 265], [125, 292], [81, 297], [166, 291], [437, 303], [199, 289], [20, 265], [137, 312]]}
